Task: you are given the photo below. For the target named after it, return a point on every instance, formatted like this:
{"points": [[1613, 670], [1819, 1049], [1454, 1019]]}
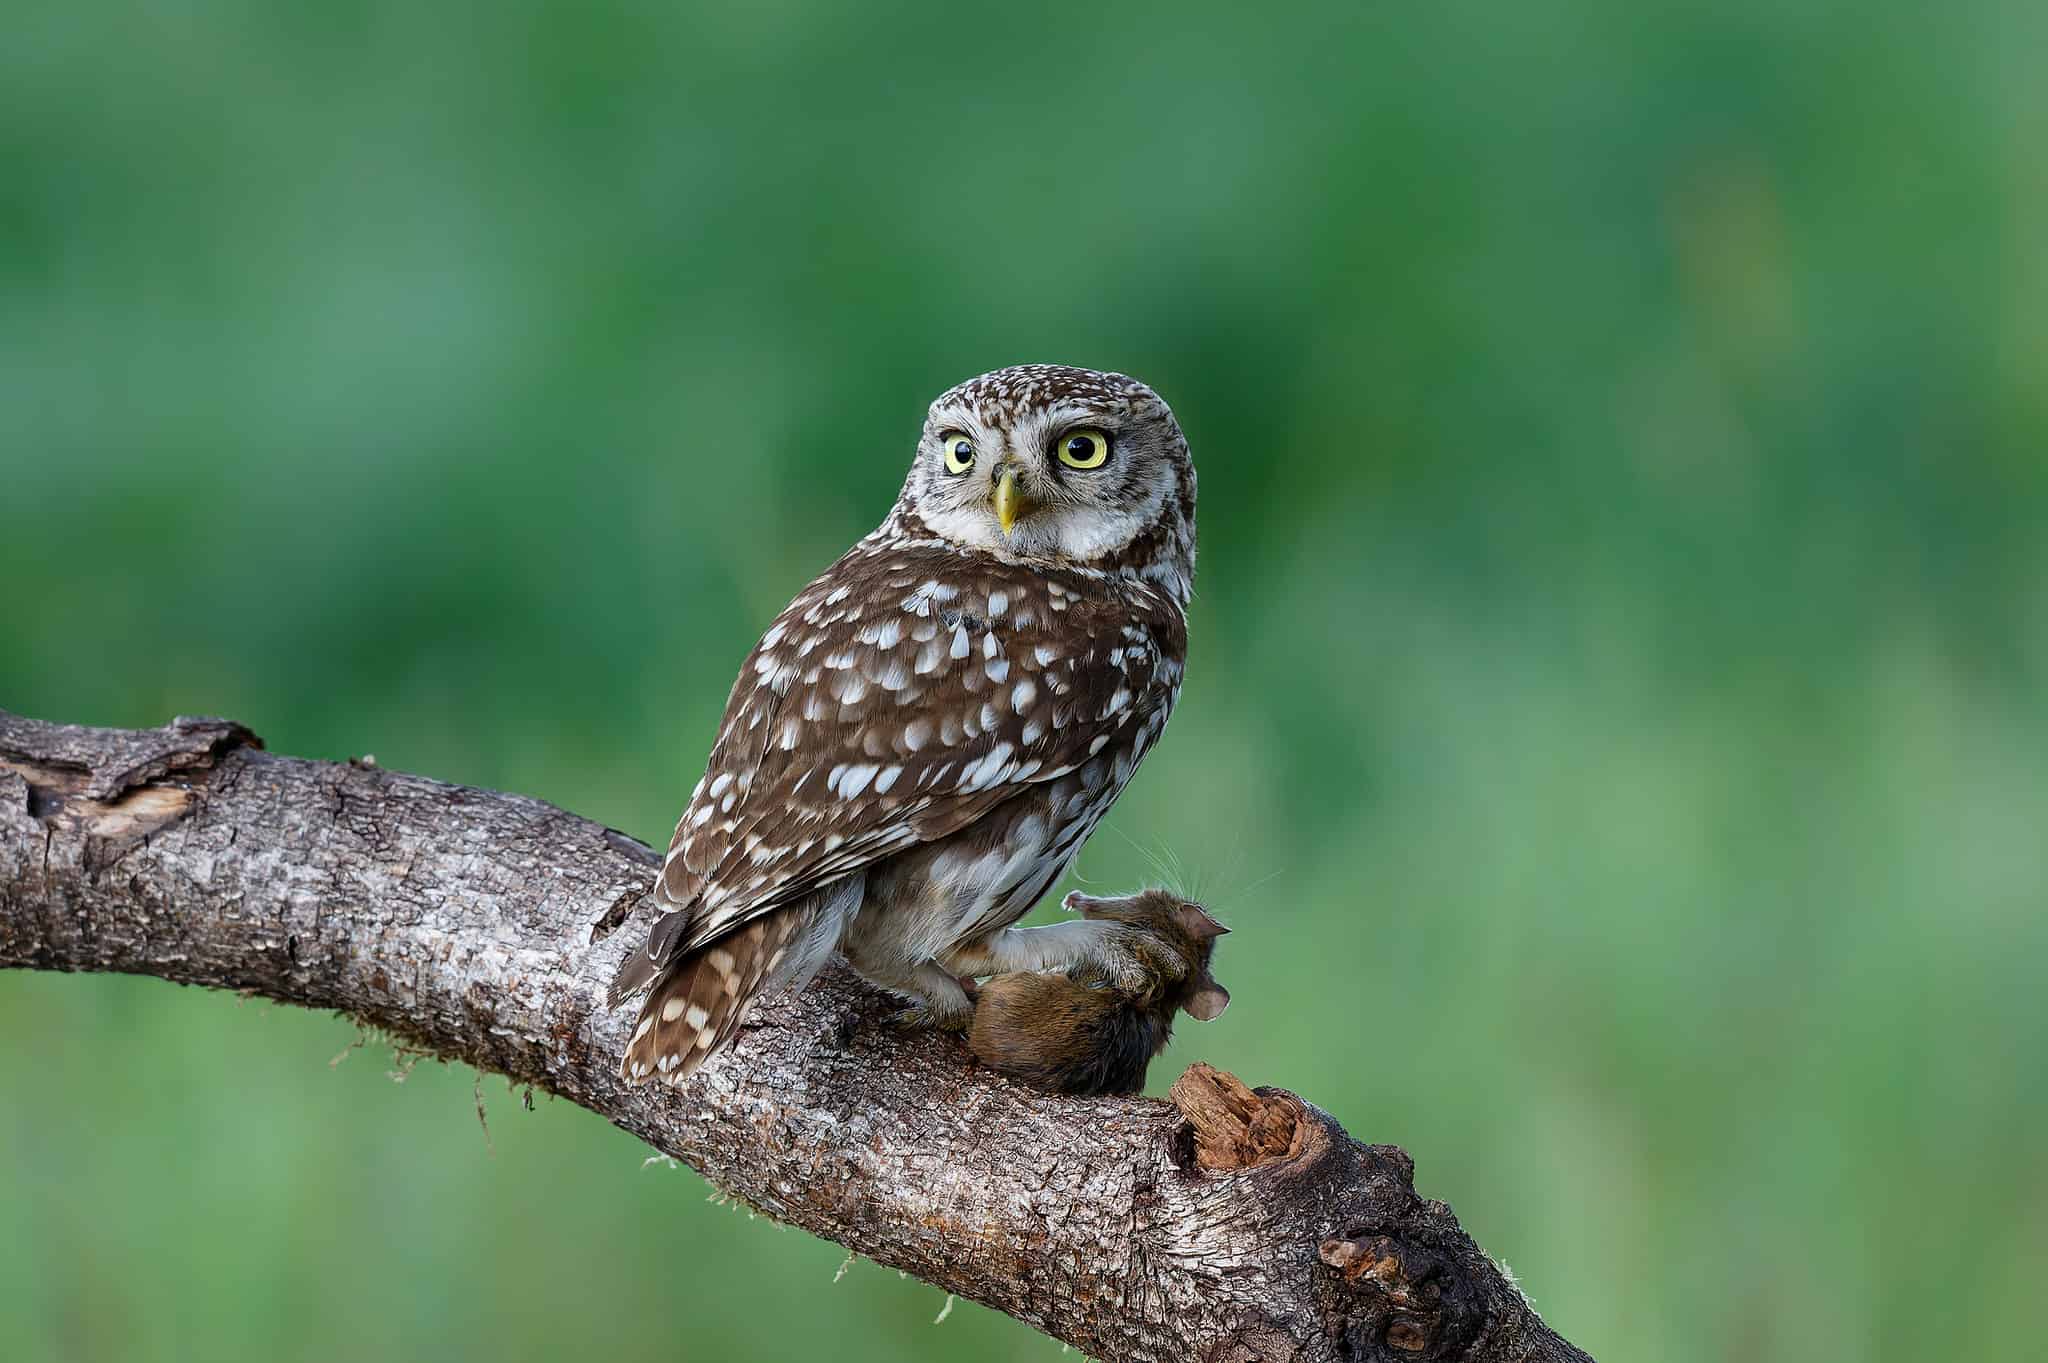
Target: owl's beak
{"points": [[1010, 502]]}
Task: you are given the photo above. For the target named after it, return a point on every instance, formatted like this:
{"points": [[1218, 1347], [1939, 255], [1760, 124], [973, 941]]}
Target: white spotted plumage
{"points": [[923, 739]]}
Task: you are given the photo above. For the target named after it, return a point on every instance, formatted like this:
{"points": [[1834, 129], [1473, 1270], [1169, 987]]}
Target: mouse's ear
{"points": [[1208, 1000], [1195, 921]]}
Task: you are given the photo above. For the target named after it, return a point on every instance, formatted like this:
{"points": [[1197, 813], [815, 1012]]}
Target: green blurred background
{"points": [[1616, 716]]}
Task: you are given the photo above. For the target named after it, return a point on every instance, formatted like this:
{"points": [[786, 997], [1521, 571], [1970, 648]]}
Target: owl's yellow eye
{"points": [[1084, 449], [959, 452]]}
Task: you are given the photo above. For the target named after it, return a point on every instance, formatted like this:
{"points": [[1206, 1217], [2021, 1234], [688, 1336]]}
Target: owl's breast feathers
{"points": [[902, 694]]}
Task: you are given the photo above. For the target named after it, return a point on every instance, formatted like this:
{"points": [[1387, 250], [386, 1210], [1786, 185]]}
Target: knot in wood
{"points": [[1393, 1299]]}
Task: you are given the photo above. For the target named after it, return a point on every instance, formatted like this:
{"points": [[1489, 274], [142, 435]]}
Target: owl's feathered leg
{"points": [[1088, 943], [884, 949]]}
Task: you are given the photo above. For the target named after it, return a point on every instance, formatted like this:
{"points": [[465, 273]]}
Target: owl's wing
{"points": [[877, 714]]}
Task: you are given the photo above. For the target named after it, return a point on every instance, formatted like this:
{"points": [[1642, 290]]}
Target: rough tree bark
{"points": [[1230, 1224]]}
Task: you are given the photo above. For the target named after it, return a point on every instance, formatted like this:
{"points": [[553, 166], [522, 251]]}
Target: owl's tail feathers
{"points": [[640, 967], [699, 1001]]}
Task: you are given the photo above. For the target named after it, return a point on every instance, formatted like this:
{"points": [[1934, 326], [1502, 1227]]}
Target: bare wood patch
{"points": [[1232, 1126]]}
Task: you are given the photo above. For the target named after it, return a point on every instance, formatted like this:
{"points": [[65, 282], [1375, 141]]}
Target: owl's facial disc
{"points": [[1050, 464], [1008, 485], [1070, 482]]}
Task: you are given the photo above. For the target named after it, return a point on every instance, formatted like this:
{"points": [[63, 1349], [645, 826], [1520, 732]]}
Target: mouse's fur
{"points": [[1081, 1032]]}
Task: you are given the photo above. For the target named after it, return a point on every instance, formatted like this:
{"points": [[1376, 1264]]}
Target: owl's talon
{"points": [[918, 1018], [1126, 972]]}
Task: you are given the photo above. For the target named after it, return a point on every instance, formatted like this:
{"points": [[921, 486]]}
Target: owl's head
{"points": [[1043, 463]]}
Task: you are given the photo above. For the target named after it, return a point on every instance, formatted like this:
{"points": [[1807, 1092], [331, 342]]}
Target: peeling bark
{"points": [[1230, 1225]]}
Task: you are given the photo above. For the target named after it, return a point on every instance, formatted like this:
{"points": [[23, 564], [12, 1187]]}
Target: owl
{"points": [[923, 739]]}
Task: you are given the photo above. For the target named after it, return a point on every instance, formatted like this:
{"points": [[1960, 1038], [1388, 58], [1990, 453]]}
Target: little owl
{"points": [[917, 748]]}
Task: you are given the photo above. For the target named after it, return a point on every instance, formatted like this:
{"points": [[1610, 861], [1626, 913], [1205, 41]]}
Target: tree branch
{"points": [[1229, 1225]]}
